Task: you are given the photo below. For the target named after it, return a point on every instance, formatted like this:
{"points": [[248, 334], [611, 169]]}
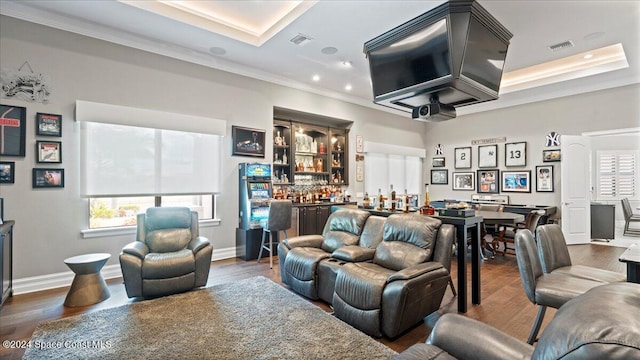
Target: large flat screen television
{"points": [[452, 55], [420, 57]]}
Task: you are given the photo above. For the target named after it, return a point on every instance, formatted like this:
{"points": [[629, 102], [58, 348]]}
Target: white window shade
{"points": [[387, 165], [123, 160]]}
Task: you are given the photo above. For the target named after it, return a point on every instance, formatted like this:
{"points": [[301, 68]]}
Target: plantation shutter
{"points": [[617, 174]]}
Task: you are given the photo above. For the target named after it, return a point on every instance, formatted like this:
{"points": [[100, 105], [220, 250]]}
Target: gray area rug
{"points": [[249, 319]]}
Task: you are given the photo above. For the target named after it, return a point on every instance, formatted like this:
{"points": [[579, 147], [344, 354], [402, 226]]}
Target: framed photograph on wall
{"points": [[247, 141], [49, 151], [14, 130], [515, 154], [551, 155], [544, 178], [516, 181], [464, 181], [440, 177], [462, 158], [7, 172], [48, 178], [488, 156], [488, 181], [438, 162], [48, 125]]}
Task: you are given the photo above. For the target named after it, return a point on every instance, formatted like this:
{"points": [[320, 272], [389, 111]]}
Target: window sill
{"points": [[131, 230]]}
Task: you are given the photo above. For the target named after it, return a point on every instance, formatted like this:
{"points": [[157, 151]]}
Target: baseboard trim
{"points": [[62, 279]]}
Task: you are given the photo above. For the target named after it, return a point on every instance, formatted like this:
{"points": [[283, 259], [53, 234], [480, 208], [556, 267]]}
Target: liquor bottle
{"points": [[405, 201], [285, 160], [314, 146], [393, 198], [323, 148], [380, 199]]}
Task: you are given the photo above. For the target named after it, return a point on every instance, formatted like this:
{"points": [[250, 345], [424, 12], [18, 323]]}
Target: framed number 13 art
{"points": [[515, 154]]}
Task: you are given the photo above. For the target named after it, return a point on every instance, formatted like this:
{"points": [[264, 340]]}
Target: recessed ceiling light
{"points": [[329, 50], [316, 77], [348, 87], [217, 50], [587, 56], [347, 63], [594, 35]]}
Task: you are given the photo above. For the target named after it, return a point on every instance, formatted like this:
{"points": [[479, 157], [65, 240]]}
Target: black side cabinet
{"points": [[6, 259], [603, 221]]}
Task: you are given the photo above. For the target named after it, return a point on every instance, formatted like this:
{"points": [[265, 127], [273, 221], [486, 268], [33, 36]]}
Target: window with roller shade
{"points": [[133, 159], [387, 165], [617, 174]]}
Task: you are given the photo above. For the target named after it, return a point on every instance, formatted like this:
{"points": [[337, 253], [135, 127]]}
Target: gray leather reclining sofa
{"points": [[382, 275]]}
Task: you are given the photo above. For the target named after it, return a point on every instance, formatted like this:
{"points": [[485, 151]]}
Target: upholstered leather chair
{"points": [[603, 323], [545, 290], [555, 258], [168, 255], [402, 284]]}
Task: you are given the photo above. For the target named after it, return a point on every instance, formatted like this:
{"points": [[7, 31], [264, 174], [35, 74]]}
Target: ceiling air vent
{"points": [[559, 46], [300, 39]]}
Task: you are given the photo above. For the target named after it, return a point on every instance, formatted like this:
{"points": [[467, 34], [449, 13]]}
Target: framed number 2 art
{"points": [[462, 158], [515, 154]]}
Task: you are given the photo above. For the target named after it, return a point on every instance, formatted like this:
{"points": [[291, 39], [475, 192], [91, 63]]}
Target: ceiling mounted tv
{"points": [[450, 56]]}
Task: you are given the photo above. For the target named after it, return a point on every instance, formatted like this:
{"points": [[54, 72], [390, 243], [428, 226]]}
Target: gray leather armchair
{"points": [[542, 289], [603, 323], [168, 255], [555, 258], [404, 282]]}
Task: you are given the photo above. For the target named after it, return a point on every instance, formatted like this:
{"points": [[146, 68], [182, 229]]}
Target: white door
{"points": [[575, 189]]}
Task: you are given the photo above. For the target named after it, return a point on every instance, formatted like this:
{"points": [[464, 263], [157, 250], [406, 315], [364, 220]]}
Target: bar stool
{"points": [[279, 220]]}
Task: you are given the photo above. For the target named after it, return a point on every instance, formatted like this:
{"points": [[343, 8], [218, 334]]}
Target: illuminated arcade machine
{"points": [[255, 194]]}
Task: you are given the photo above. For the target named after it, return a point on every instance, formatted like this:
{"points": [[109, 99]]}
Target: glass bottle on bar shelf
{"points": [[285, 160], [380, 199], [278, 139], [393, 198], [405, 202]]}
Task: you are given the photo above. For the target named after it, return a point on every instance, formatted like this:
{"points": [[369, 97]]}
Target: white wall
{"points": [[48, 222], [617, 108]]}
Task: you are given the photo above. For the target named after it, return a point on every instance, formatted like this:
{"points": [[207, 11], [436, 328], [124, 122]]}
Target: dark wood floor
{"points": [[504, 304]]}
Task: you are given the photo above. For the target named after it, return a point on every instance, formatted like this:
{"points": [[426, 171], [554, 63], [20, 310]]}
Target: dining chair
{"points": [[629, 217], [484, 245], [507, 232]]}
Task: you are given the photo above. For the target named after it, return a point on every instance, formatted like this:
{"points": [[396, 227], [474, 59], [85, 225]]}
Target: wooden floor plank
{"points": [[504, 303]]}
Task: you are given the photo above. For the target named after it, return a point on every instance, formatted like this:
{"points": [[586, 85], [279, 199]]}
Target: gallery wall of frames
{"points": [[515, 177], [47, 171]]}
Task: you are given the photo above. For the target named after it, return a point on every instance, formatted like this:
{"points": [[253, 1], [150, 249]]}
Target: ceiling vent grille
{"points": [[559, 46], [300, 39]]}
